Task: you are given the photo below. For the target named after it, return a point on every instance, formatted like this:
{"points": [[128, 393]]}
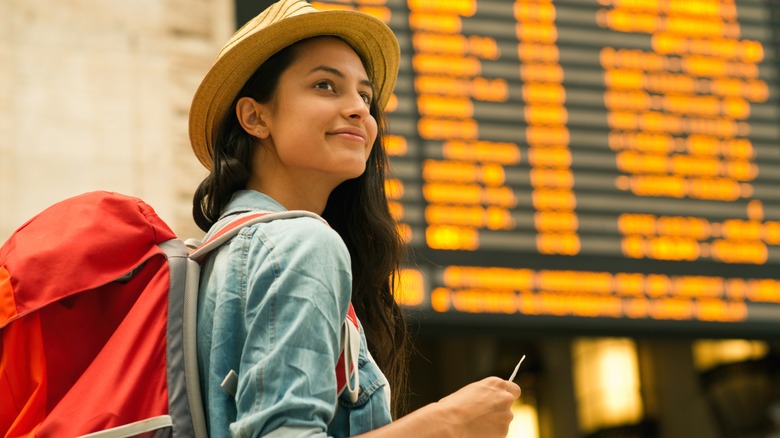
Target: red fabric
{"points": [[341, 376], [93, 355], [78, 240], [22, 378], [233, 225], [7, 299], [125, 378]]}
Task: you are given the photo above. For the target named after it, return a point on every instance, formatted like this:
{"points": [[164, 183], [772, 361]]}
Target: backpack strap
{"points": [[232, 228], [347, 377]]}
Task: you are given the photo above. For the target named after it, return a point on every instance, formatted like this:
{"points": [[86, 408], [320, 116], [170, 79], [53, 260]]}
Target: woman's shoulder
{"points": [[307, 228], [302, 238], [301, 254]]}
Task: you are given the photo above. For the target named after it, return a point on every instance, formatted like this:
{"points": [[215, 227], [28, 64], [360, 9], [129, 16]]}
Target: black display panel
{"points": [[609, 164]]}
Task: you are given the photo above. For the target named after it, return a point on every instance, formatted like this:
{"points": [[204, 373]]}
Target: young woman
{"points": [[290, 118]]}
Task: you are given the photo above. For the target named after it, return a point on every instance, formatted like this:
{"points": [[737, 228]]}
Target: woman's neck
{"points": [[292, 194]]}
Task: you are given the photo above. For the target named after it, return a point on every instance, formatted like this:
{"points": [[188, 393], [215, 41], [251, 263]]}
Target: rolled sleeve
{"points": [[297, 294]]}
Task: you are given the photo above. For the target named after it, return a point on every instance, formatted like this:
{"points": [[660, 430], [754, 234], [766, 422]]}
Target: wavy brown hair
{"points": [[357, 209]]}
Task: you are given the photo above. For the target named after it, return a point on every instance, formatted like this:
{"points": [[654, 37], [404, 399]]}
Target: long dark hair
{"points": [[357, 209]]}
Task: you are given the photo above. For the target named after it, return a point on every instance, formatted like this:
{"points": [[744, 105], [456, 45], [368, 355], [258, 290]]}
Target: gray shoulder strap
{"points": [[230, 229]]}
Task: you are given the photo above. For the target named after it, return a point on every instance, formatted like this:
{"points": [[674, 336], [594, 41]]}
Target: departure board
{"points": [[605, 164]]}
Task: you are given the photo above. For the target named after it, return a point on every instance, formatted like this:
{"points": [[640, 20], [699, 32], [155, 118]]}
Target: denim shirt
{"points": [[271, 306]]}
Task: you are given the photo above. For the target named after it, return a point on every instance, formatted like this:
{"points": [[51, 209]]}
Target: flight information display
{"points": [[610, 164]]}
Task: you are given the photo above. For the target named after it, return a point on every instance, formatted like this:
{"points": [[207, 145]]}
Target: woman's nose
{"points": [[356, 108]]}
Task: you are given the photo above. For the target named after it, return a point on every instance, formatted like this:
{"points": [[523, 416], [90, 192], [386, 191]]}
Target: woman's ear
{"points": [[252, 117]]}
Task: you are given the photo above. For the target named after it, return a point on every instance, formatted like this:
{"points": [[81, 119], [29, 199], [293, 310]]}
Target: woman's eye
{"points": [[366, 98], [324, 85]]}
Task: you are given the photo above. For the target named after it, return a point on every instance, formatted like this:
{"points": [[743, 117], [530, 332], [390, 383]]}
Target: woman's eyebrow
{"points": [[338, 73]]}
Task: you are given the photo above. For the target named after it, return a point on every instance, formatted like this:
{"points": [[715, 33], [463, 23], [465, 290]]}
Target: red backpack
{"points": [[98, 302]]}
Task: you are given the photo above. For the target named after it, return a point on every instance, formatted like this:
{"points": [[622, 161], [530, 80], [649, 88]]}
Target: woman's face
{"points": [[318, 122]]}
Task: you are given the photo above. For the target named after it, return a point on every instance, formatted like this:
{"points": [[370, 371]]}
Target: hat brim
{"points": [[370, 37]]}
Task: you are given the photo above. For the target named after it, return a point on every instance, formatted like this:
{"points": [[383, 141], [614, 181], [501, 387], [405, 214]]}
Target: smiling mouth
{"points": [[350, 136]]}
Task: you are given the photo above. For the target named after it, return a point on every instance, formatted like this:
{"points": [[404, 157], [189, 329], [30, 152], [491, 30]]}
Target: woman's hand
{"points": [[481, 409], [478, 410]]}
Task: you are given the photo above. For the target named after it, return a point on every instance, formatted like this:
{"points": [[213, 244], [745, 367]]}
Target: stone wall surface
{"points": [[95, 94]]}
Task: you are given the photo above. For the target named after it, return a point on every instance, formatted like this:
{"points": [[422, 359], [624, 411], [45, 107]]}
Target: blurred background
{"points": [[594, 184]]}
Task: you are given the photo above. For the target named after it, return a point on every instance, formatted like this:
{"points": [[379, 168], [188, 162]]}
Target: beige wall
{"points": [[94, 95]]}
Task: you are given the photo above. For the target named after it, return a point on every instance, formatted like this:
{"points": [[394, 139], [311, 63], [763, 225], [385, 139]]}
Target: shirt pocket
{"points": [[371, 410]]}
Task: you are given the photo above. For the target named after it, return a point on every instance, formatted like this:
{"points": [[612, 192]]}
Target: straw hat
{"points": [[282, 24]]}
